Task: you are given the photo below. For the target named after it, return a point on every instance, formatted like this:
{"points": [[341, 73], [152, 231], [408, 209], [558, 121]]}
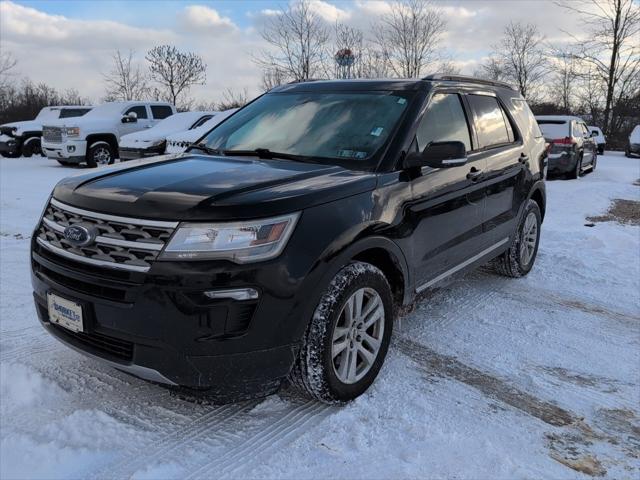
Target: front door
{"points": [[142, 120], [447, 203]]}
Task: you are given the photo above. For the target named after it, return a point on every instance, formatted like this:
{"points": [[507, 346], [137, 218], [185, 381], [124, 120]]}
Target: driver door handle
{"points": [[474, 174]]}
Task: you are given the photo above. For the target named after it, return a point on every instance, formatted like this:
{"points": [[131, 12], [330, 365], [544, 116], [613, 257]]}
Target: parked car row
{"points": [[23, 138]]}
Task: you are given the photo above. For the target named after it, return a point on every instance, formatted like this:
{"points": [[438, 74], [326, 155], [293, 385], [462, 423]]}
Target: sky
{"points": [[68, 44]]}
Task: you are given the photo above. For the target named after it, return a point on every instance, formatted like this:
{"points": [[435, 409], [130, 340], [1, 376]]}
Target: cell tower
{"points": [[345, 59]]}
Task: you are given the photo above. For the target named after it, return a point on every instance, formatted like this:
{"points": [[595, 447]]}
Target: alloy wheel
{"points": [[102, 156], [529, 238], [357, 335]]}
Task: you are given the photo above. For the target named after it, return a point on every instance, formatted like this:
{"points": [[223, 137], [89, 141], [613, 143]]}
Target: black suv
{"points": [[282, 245]]}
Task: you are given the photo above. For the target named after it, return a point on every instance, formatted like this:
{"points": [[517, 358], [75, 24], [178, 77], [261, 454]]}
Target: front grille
{"points": [[120, 242], [52, 134]]}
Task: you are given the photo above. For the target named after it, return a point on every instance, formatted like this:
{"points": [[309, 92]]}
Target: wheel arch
{"points": [[110, 138], [538, 195]]}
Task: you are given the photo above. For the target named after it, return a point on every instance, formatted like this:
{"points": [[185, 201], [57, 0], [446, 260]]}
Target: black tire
{"points": [[510, 262], [575, 174], [601, 149], [98, 149], [594, 162], [31, 148], [314, 372]]}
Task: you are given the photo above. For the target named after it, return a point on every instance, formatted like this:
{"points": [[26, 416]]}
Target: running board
{"points": [[460, 266]]}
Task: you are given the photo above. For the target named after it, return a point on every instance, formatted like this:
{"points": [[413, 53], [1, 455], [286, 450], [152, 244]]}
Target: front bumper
{"points": [[8, 145], [159, 326], [68, 150]]}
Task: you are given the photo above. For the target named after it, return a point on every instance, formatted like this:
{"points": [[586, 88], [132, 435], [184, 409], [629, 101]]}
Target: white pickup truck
{"points": [[23, 138], [94, 137]]}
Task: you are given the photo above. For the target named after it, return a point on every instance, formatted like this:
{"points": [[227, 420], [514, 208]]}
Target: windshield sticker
{"points": [[377, 131], [352, 154], [402, 101]]}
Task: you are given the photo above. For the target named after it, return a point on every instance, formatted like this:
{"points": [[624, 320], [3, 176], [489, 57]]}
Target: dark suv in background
{"points": [[282, 245], [573, 147]]}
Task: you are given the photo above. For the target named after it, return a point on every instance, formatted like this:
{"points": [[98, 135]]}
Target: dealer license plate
{"points": [[65, 313]]}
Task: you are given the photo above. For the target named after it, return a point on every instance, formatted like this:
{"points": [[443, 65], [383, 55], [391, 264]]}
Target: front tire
{"points": [[601, 149], [100, 153], [518, 260], [31, 148], [348, 337]]}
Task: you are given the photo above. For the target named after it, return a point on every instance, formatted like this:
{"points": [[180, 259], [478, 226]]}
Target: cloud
{"points": [[206, 19]]}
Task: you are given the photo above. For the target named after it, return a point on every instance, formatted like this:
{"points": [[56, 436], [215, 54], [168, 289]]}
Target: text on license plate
{"points": [[64, 312]]}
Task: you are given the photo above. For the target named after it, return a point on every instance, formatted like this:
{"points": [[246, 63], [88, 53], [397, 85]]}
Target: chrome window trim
{"points": [[113, 218]]}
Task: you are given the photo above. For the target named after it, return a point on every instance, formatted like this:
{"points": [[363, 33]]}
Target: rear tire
{"points": [[519, 259], [575, 174], [100, 153], [348, 337]]}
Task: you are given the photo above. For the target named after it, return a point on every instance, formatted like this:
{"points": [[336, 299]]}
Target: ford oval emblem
{"points": [[79, 235]]}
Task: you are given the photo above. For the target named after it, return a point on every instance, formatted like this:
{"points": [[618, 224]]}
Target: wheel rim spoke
{"points": [[357, 335], [529, 238]]}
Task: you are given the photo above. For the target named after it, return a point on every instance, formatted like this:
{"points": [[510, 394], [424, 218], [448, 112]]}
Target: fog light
{"points": [[71, 148], [234, 294]]}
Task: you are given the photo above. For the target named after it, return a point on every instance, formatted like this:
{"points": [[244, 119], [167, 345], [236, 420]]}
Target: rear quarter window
{"points": [[525, 119]]}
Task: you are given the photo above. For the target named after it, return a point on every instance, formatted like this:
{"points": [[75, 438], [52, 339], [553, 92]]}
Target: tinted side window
{"points": [[73, 112], [491, 122], [140, 111], [161, 111], [444, 121]]}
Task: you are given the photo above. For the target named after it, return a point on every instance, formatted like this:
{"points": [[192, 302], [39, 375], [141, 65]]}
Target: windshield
{"points": [[343, 126]]}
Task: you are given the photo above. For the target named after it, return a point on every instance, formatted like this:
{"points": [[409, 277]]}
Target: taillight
{"points": [[563, 141]]}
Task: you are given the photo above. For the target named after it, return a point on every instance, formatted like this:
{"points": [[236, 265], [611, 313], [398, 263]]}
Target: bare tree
{"points": [[612, 49], [298, 38], [7, 63], [125, 80], [233, 99], [409, 37], [491, 69], [175, 71], [272, 77], [523, 56], [563, 84]]}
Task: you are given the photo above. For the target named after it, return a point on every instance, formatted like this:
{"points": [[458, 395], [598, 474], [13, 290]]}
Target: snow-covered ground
{"points": [[488, 378]]}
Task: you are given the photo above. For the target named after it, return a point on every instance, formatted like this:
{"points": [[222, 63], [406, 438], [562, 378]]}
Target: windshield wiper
{"points": [[265, 154], [203, 148]]}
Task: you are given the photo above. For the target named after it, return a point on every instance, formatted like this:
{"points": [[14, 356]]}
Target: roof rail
{"points": [[463, 78]]}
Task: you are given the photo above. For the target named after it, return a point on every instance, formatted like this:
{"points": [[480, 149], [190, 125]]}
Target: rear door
{"points": [[160, 112], [447, 203], [500, 146]]}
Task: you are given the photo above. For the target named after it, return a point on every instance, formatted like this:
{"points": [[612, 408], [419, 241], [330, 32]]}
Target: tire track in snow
{"points": [[178, 440], [288, 426]]}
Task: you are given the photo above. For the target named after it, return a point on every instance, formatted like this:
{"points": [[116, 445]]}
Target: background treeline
{"points": [[597, 78]]}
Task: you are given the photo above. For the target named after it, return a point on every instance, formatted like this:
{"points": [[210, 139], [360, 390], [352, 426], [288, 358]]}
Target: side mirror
{"points": [[594, 134], [438, 155], [131, 117]]}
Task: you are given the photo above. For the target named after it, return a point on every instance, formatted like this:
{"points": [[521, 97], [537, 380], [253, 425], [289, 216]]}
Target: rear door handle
{"points": [[474, 174]]}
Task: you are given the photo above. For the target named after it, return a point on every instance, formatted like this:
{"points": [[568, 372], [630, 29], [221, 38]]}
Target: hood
{"points": [[198, 187], [25, 126], [82, 122]]}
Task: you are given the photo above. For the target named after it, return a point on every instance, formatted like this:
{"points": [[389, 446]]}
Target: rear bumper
{"points": [[561, 163], [70, 150]]}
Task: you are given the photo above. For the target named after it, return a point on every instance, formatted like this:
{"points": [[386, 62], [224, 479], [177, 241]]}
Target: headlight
{"points": [[73, 131], [241, 242]]}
